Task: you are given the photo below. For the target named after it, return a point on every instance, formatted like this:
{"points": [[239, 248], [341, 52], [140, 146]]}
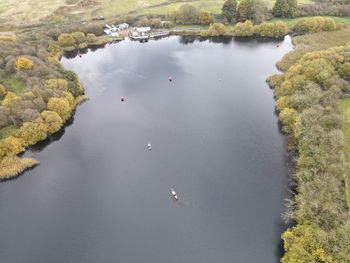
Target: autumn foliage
{"points": [[24, 63]]}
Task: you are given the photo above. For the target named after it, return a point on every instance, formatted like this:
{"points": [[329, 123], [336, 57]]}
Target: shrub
{"points": [[60, 106], [80, 39], [60, 84], [188, 14], [9, 98], [66, 40], [91, 38], [315, 24], [33, 132], [52, 120], [243, 29], [216, 29], [24, 63], [144, 22], [205, 18], [12, 145], [156, 23], [288, 118], [271, 30]]}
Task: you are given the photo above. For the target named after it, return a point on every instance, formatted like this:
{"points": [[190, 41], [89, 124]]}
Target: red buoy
{"points": [[122, 98]]}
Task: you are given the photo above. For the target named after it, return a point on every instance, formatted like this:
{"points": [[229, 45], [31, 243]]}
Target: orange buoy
{"points": [[122, 98]]}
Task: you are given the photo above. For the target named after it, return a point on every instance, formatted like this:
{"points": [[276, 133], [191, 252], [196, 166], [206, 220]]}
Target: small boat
{"points": [[149, 146], [173, 193]]}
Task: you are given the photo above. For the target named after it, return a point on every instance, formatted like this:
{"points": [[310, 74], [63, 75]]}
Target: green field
{"points": [[32, 11], [345, 107], [292, 21]]}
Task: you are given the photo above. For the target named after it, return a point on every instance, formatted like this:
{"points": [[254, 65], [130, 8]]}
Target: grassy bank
{"points": [[345, 108], [307, 95], [292, 21], [313, 42]]}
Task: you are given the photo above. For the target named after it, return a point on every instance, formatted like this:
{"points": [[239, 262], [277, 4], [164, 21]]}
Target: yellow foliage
{"points": [[60, 84], [301, 245], [24, 63], [288, 118], [52, 120], [61, 106], [12, 145], [320, 255], [282, 102], [11, 167], [32, 132], [7, 38], [10, 96], [69, 97]]}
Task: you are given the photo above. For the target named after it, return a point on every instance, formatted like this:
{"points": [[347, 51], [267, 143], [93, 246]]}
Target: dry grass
{"points": [[314, 42], [11, 167]]}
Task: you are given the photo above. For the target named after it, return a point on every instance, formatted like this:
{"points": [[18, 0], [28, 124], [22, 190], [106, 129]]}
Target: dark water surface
{"points": [[100, 196]]}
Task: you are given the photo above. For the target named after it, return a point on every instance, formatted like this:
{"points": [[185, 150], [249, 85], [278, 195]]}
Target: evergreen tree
{"points": [[293, 8], [281, 8], [245, 10], [260, 11], [229, 10], [285, 8]]}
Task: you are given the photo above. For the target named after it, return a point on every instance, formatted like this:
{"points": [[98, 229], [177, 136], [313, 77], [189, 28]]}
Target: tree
{"points": [[91, 38], [156, 23], [285, 8], [144, 21], [205, 18], [293, 8], [66, 40], [61, 106], [32, 132], [9, 98], [260, 11], [245, 10], [174, 16], [79, 37], [243, 29], [280, 8], [11, 146], [52, 120], [229, 10], [216, 29], [188, 14]]}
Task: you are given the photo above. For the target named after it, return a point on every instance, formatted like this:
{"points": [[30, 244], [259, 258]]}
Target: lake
{"points": [[99, 195]]}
